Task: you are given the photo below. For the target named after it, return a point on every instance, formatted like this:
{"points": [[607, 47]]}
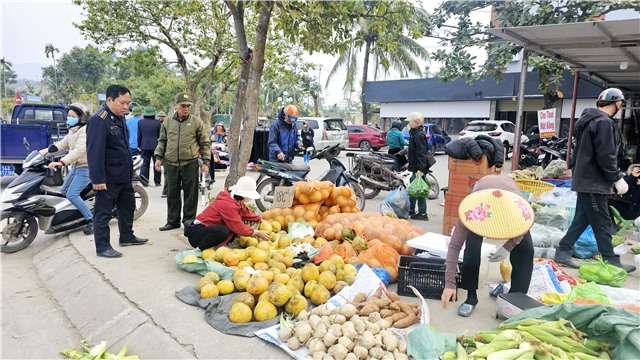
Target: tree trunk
{"points": [[315, 105], [365, 73]]}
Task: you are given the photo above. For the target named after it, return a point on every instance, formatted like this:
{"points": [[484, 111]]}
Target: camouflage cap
{"points": [[137, 110], [183, 98], [161, 114]]}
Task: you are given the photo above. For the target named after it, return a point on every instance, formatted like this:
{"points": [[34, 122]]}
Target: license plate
{"points": [[7, 170], [540, 157]]}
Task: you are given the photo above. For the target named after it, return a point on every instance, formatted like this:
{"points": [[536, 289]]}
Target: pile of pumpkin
{"points": [[313, 201], [367, 238]]}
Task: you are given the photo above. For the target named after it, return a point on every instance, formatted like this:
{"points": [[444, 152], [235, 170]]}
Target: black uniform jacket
{"points": [[108, 150]]}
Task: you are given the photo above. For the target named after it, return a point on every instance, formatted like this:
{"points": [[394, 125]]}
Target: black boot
{"points": [[88, 229], [615, 261], [563, 257]]}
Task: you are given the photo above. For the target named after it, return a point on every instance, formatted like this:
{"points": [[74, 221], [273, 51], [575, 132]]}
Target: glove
{"points": [[419, 173], [621, 187], [501, 254]]}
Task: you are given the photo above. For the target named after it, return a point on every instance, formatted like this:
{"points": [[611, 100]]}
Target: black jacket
{"points": [[418, 150], [108, 150], [148, 133], [598, 148], [495, 157]]}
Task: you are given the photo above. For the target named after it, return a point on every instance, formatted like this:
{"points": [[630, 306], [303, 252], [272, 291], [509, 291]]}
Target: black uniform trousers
{"points": [[204, 237], [122, 196], [181, 178], [521, 258], [147, 162], [591, 209]]}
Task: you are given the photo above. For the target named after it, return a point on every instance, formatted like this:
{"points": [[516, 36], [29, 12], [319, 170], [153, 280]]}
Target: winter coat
{"points": [[229, 212], [464, 149], [307, 136], [148, 133], [283, 138], [76, 144], [183, 141], [598, 149], [396, 139], [497, 155], [417, 152]]}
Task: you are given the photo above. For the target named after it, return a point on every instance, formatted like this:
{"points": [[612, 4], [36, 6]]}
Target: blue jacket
{"points": [[132, 124], [395, 139], [108, 151], [148, 133], [283, 138]]}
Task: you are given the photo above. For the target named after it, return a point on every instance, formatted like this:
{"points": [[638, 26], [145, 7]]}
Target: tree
{"points": [[459, 33], [51, 50], [196, 32], [387, 31], [8, 76]]}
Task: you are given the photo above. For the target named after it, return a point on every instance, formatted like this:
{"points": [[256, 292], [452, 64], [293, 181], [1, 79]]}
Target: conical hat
{"points": [[496, 214]]}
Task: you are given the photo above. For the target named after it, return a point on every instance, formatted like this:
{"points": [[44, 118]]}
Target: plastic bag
{"points": [[590, 291], [299, 230], [418, 188], [382, 274], [398, 202], [545, 236], [345, 250], [554, 169], [556, 217], [381, 256], [325, 253], [202, 266], [586, 247], [603, 273]]}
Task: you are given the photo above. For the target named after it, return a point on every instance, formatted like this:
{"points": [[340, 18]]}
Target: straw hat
{"points": [[245, 187], [496, 214]]}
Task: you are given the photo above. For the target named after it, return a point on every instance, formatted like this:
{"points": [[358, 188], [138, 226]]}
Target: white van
{"points": [[326, 131]]}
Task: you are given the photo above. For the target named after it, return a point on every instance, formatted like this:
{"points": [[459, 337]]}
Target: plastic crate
{"points": [[424, 274]]}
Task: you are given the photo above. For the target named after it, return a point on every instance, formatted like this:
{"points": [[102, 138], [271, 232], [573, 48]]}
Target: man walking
{"points": [[148, 134], [182, 140], [132, 126], [283, 136], [595, 176], [111, 171]]}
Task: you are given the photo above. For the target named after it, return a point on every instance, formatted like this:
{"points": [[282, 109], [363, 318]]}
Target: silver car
{"points": [[327, 131]]}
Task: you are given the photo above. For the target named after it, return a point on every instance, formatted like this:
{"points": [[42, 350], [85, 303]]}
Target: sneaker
{"points": [[411, 213], [424, 217], [88, 229]]}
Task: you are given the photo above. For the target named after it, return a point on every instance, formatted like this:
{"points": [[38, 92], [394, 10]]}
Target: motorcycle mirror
{"points": [[52, 148]]}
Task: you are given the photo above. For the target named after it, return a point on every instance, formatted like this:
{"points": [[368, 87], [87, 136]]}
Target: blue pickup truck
{"points": [[37, 125]]}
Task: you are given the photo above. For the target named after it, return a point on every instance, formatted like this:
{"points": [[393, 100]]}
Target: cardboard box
{"points": [[461, 184], [448, 223], [471, 167], [452, 202], [511, 304]]}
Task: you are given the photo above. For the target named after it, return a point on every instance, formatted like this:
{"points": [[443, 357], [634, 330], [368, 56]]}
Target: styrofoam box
{"points": [[438, 245]]}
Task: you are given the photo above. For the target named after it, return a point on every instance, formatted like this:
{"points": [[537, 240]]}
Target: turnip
{"points": [[336, 330], [318, 355], [338, 351], [314, 320], [402, 346], [302, 331], [303, 315], [285, 333], [371, 327], [346, 342], [361, 352], [351, 356], [367, 340], [376, 352], [338, 319], [320, 331], [374, 317], [329, 339], [348, 310], [399, 356], [293, 343], [387, 356], [390, 342]]}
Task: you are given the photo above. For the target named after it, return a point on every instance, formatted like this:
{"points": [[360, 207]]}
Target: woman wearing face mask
{"points": [[223, 218], [78, 177]]}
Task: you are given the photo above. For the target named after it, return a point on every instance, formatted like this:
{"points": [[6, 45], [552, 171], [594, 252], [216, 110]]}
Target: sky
{"points": [[27, 26]]}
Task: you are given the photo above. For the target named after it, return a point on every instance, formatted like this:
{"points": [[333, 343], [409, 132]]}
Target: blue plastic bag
{"points": [[383, 274], [396, 203], [586, 247]]}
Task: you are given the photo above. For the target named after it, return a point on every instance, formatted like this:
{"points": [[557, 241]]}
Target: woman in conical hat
{"points": [[495, 209]]}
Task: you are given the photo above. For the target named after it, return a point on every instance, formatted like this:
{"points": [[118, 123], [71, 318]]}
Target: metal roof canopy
{"points": [[607, 50], [596, 47]]}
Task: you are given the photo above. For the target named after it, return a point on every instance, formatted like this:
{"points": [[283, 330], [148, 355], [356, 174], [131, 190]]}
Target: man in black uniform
{"points": [[111, 171], [595, 176]]}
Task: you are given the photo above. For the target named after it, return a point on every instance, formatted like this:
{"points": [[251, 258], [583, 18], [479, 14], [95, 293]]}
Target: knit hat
{"points": [[415, 119], [496, 214]]}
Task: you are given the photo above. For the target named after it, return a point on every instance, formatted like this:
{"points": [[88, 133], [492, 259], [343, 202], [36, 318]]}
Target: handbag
{"points": [[431, 159]]}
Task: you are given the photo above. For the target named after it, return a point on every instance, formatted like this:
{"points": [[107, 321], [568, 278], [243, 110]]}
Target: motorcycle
{"points": [[284, 174], [379, 171], [33, 205]]}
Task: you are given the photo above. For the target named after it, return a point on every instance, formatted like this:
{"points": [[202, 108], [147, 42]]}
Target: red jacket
{"points": [[227, 211]]}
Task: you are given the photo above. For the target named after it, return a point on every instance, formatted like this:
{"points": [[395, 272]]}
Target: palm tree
{"points": [[5, 65], [49, 49], [402, 59]]}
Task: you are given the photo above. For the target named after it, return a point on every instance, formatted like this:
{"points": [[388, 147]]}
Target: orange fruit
{"points": [[315, 197], [303, 199], [289, 219]]}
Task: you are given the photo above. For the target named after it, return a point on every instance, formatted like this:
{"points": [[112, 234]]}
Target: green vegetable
{"points": [[635, 250], [603, 273], [617, 240], [85, 352]]}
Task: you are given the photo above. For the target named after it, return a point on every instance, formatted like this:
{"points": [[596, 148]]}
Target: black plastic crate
{"points": [[424, 274]]}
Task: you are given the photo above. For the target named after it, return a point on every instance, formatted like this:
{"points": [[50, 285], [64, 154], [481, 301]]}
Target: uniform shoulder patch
{"points": [[103, 114]]}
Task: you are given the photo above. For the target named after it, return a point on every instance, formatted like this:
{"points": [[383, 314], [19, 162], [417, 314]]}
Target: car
{"points": [[501, 129], [437, 137], [326, 131], [366, 137]]}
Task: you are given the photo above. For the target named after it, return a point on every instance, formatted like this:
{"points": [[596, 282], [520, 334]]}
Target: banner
{"points": [[547, 122]]}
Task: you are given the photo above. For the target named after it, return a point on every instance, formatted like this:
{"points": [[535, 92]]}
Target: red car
{"points": [[366, 137]]}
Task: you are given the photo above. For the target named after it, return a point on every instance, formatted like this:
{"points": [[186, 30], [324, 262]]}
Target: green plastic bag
{"points": [[590, 291], [418, 188], [603, 273], [202, 267]]}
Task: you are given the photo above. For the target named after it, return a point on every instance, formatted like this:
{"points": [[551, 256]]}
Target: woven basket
{"points": [[535, 187]]}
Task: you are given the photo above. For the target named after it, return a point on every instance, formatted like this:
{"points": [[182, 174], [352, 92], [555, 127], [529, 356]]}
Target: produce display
{"points": [[345, 332], [529, 339], [524, 174], [399, 314], [85, 351]]}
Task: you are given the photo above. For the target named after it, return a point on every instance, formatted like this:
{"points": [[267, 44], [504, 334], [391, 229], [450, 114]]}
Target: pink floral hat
{"points": [[496, 214]]}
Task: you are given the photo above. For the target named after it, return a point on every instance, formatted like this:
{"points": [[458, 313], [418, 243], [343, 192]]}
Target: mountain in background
{"points": [[30, 71]]}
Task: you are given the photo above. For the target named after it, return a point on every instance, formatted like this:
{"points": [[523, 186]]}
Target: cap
{"points": [[149, 111], [161, 113], [183, 98], [496, 214], [137, 110], [245, 187], [415, 119]]}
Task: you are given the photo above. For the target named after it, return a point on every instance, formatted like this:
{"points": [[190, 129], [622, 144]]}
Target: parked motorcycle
{"points": [[33, 205], [542, 152], [379, 171], [283, 174]]}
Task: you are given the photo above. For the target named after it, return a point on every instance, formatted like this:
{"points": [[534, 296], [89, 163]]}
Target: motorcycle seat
{"points": [[291, 167], [52, 191]]}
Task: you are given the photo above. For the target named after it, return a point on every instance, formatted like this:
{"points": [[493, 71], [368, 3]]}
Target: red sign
{"points": [[18, 99]]}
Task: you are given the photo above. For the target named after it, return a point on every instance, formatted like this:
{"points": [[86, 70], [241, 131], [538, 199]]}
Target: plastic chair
{"points": [[624, 224]]}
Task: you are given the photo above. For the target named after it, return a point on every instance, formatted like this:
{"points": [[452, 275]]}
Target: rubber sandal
{"points": [[466, 309]]}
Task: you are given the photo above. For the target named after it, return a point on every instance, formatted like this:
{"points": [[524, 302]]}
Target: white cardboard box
{"points": [[511, 304], [437, 245]]}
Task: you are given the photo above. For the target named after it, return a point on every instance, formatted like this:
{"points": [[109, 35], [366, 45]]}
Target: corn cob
{"points": [[594, 345], [548, 338], [509, 335], [551, 330], [577, 346], [461, 353], [484, 337], [542, 356], [604, 355], [494, 346], [510, 354], [523, 322], [449, 355], [583, 356]]}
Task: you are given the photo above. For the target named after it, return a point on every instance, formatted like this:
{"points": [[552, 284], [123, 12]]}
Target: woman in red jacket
{"points": [[223, 218]]}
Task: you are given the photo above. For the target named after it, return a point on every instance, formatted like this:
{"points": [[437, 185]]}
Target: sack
{"points": [[418, 188], [396, 203], [603, 273], [381, 256], [586, 247], [431, 159]]}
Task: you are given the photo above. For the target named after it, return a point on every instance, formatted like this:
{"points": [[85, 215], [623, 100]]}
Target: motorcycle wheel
{"points": [[360, 197], [434, 187], [142, 201], [370, 193], [264, 188], [11, 244]]}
